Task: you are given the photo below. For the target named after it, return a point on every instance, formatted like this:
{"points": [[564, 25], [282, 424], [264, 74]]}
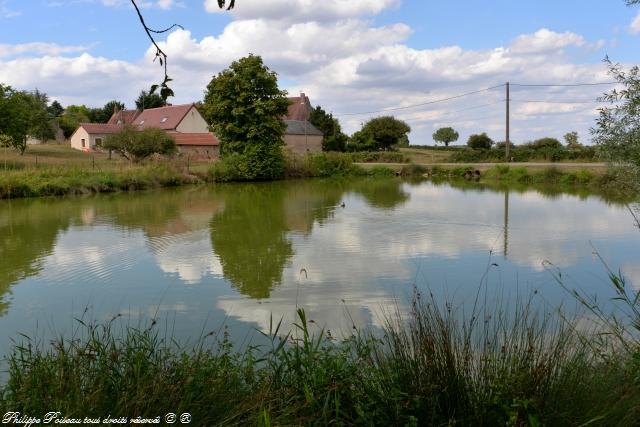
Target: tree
{"points": [[72, 117], [41, 124], [15, 116], [137, 145], [384, 132], [446, 136], [571, 139], [149, 100], [244, 107], [546, 143], [617, 129], [480, 142], [334, 139], [55, 109]]}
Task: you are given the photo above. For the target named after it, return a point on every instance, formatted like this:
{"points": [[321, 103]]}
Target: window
{"points": [[83, 144], [98, 142]]}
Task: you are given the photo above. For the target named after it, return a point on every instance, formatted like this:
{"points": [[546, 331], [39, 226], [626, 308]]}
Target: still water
{"points": [[347, 251]]}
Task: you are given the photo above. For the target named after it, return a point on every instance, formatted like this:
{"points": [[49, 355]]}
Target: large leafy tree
{"points": [[149, 100], [334, 139], [445, 136], [244, 107], [382, 133]]}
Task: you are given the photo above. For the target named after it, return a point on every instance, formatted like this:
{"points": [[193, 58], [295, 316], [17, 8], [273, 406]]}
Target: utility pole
{"points": [[506, 142]]}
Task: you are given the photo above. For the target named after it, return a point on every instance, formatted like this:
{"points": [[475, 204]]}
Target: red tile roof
{"points": [[102, 128], [299, 108], [167, 118], [125, 117], [195, 139]]}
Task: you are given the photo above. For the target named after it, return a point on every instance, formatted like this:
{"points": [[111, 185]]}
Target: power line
{"points": [[455, 111], [421, 104], [563, 85], [555, 102]]}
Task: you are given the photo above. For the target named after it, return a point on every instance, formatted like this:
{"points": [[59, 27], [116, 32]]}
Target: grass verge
{"points": [[515, 367]]}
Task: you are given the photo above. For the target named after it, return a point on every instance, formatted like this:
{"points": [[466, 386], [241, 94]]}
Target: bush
{"points": [[136, 145], [480, 142]]}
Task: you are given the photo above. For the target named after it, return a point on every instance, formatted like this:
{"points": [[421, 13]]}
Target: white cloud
{"points": [[344, 63], [304, 10], [634, 28], [39, 48], [545, 40]]}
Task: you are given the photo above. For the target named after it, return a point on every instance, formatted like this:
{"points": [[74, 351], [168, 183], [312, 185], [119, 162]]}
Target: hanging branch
{"points": [[165, 90]]}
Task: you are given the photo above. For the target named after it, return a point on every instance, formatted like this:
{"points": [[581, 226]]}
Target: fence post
{"points": [[93, 162]]}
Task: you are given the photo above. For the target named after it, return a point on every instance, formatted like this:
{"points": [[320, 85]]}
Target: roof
{"points": [[299, 108], [301, 127], [125, 117], [167, 118], [195, 139], [101, 128]]}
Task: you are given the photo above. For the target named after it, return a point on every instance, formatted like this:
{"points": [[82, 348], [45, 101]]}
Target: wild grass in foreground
{"points": [[494, 367]]}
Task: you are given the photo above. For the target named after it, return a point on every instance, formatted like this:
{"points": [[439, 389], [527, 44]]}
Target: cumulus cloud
{"points": [[50, 49], [304, 10], [545, 40], [344, 62]]}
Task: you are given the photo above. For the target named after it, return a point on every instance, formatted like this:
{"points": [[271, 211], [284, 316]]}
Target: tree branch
{"points": [[165, 90]]}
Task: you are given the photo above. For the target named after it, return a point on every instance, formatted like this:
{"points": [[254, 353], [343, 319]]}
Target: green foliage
{"points": [[73, 116], [571, 139], [445, 136], [257, 163], [23, 114], [137, 145], [545, 143], [480, 142], [380, 133], [148, 100], [102, 115], [617, 129], [55, 109], [245, 108], [69, 181], [334, 139], [496, 366]]}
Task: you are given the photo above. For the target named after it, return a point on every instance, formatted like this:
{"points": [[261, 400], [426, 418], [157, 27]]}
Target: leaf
{"points": [[153, 89]]}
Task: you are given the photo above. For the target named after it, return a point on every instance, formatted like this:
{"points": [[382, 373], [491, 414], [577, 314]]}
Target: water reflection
{"points": [[343, 249]]}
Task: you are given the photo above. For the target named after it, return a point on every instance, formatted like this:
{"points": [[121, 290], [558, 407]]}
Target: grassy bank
{"points": [[516, 367], [613, 180], [60, 181]]}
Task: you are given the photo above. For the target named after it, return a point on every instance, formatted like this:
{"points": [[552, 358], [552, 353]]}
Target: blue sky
{"points": [[348, 56]]}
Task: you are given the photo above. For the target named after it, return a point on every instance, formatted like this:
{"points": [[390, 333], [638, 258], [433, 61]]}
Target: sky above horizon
{"points": [[374, 57]]}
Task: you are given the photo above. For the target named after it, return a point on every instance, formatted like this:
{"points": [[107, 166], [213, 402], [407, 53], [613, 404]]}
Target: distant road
{"points": [[484, 166]]}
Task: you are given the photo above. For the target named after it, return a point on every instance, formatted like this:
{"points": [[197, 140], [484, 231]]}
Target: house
{"points": [[183, 122], [301, 137]]}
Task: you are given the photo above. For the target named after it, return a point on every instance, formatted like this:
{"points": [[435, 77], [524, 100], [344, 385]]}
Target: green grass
{"points": [[498, 365], [60, 181]]}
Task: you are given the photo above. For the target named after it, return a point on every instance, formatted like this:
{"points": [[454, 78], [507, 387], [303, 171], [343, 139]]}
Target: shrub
{"points": [[480, 142]]}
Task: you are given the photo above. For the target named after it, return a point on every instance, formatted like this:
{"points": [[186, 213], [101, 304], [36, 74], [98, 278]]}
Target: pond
{"points": [[348, 251]]}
